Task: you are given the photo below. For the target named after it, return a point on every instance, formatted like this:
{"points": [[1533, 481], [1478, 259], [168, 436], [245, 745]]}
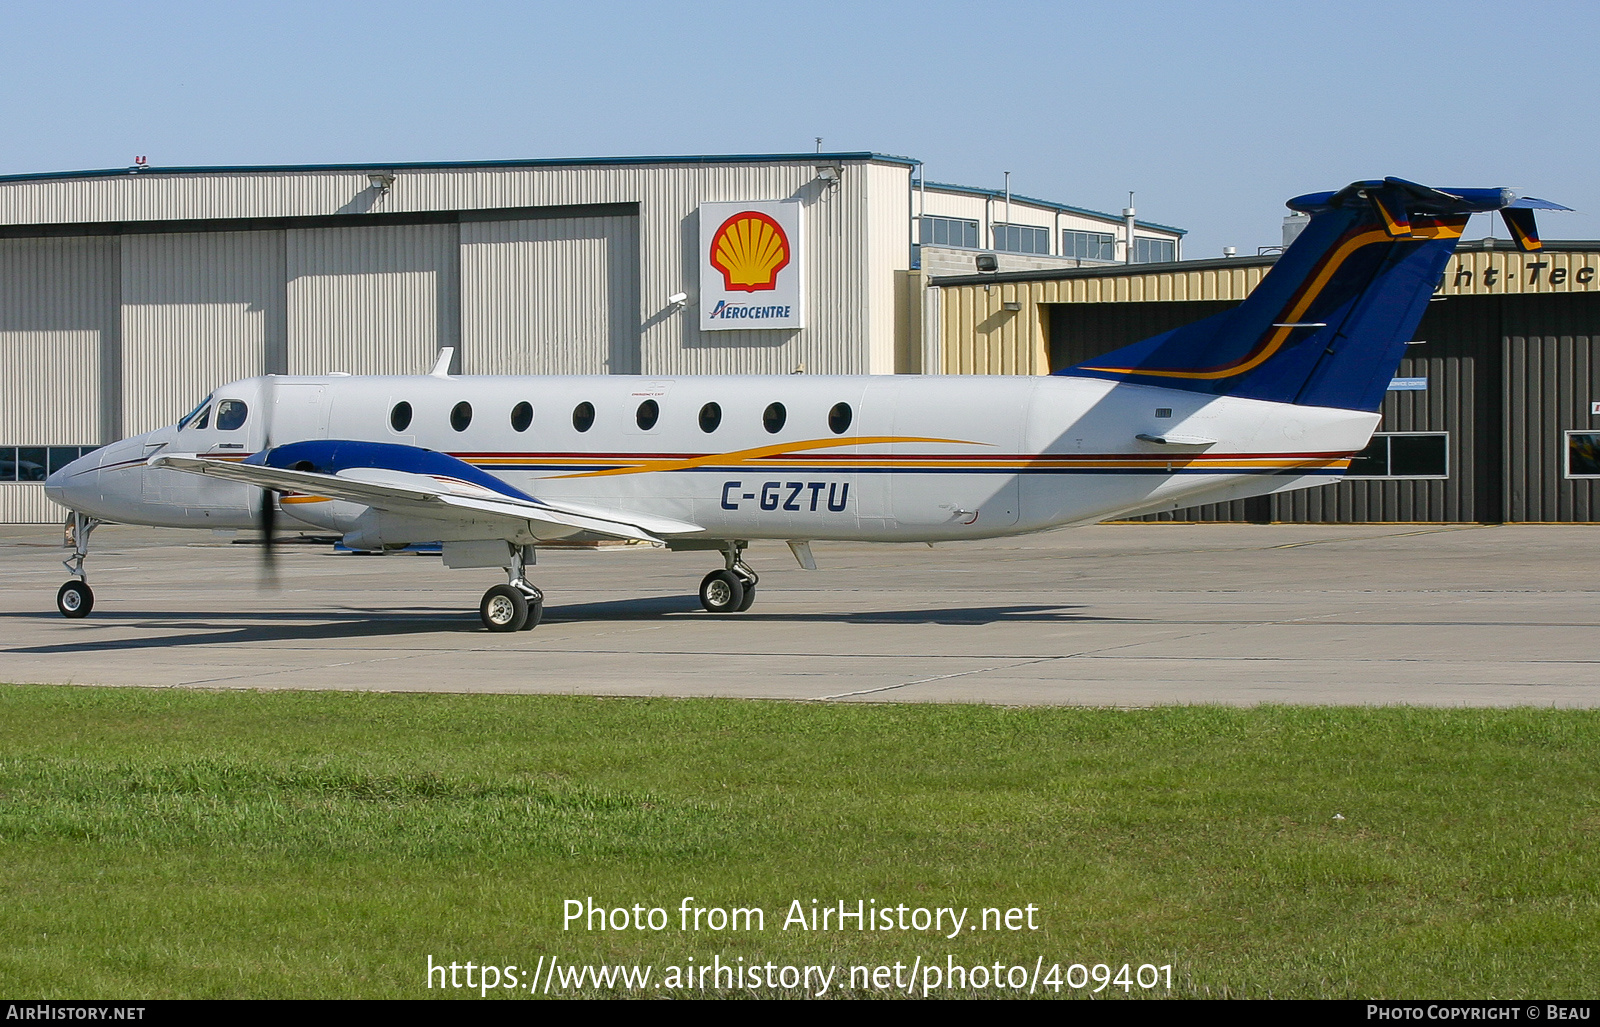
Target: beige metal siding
{"points": [[982, 337], [1501, 272], [371, 300], [888, 251], [23, 503], [57, 319], [979, 336], [556, 296], [198, 310]]}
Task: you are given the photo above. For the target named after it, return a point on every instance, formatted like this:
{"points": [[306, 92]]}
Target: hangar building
{"points": [[127, 295]]}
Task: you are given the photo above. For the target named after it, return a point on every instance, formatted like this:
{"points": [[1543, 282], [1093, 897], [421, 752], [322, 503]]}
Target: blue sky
{"points": [[1214, 112]]}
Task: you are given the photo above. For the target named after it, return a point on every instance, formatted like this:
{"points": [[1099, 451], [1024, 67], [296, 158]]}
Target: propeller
{"points": [[267, 515]]}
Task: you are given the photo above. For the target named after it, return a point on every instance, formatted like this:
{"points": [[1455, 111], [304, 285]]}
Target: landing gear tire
{"points": [[535, 615], [749, 596], [503, 609], [722, 592], [75, 599]]}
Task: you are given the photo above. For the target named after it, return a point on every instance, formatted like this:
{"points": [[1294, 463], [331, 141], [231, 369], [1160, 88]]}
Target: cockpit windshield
{"points": [[191, 415]]}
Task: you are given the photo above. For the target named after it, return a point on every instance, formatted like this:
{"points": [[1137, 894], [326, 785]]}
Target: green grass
{"points": [[196, 844]]}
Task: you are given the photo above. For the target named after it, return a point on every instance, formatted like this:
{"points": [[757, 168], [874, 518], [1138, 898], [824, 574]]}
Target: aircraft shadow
{"points": [[646, 609], [212, 627], [205, 629]]}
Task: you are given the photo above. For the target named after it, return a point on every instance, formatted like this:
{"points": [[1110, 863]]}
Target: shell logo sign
{"points": [[751, 264], [750, 249]]}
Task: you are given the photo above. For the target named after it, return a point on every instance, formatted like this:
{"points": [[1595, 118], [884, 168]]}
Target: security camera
{"points": [[678, 299]]}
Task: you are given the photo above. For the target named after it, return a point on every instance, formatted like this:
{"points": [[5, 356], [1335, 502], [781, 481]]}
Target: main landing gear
{"points": [[732, 589], [517, 605], [75, 598]]}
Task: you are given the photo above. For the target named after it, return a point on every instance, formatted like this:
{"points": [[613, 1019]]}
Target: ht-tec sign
{"points": [[750, 266]]}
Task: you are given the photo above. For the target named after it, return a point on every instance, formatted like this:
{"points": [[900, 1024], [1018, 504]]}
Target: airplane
{"points": [[1275, 394]]}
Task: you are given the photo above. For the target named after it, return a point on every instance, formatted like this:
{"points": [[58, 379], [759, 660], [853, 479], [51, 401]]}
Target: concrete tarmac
{"points": [[1110, 615]]}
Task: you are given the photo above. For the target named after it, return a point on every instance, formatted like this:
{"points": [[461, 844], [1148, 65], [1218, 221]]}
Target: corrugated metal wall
{"points": [[199, 309], [22, 503], [1459, 354], [1552, 378], [58, 325], [378, 300], [889, 249], [846, 292], [550, 296]]}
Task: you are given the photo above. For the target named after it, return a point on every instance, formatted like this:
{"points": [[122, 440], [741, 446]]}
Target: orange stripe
{"points": [[748, 455], [1443, 228]]}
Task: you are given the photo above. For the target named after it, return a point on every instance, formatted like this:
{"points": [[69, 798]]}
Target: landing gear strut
{"points": [[517, 605], [732, 589], [75, 598]]}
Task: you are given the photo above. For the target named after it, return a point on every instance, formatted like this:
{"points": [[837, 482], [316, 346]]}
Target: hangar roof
{"points": [[1065, 208], [540, 162]]}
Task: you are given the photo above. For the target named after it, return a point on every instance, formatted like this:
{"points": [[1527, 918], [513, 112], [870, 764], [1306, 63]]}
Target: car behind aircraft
{"points": [[1275, 394]]}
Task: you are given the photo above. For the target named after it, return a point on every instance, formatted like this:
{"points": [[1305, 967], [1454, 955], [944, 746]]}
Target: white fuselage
{"points": [[922, 458]]}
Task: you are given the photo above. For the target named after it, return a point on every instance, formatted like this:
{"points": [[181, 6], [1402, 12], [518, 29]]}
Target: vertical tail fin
{"points": [[1329, 323]]}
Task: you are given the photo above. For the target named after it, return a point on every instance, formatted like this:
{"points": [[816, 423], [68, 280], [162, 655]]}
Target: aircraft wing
{"points": [[424, 495]]}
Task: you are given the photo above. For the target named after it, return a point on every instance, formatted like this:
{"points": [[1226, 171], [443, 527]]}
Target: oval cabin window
{"points": [[648, 413], [773, 417], [710, 417], [839, 418], [583, 416], [521, 416], [461, 416], [231, 414], [400, 416]]}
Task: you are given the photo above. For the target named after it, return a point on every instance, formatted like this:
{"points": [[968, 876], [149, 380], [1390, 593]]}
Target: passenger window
{"points": [[648, 413], [521, 416], [774, 416], [710, 417], [231, 414], [400, 416], [461, 416], [839, 418], [583, 416]]}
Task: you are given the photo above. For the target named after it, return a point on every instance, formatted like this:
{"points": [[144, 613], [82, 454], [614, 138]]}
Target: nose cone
{"points": [[72, 484]]}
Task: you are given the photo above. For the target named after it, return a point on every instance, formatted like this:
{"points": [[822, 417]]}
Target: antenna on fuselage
{"points": [[441, 367]]}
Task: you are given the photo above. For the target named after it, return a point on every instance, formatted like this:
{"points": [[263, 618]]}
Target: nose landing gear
{"points": [[75, 598]]}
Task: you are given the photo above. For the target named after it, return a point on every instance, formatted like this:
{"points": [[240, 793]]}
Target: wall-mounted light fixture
{"points": [[829, 174], [986, 262], [381, 180]]}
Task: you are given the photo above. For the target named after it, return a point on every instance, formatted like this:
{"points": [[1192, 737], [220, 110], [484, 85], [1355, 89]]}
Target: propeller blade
{"points": [[266, 520]]}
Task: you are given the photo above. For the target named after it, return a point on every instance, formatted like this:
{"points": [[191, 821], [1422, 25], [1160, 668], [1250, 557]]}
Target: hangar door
{"points": [[377, 299], [550, 295]]}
